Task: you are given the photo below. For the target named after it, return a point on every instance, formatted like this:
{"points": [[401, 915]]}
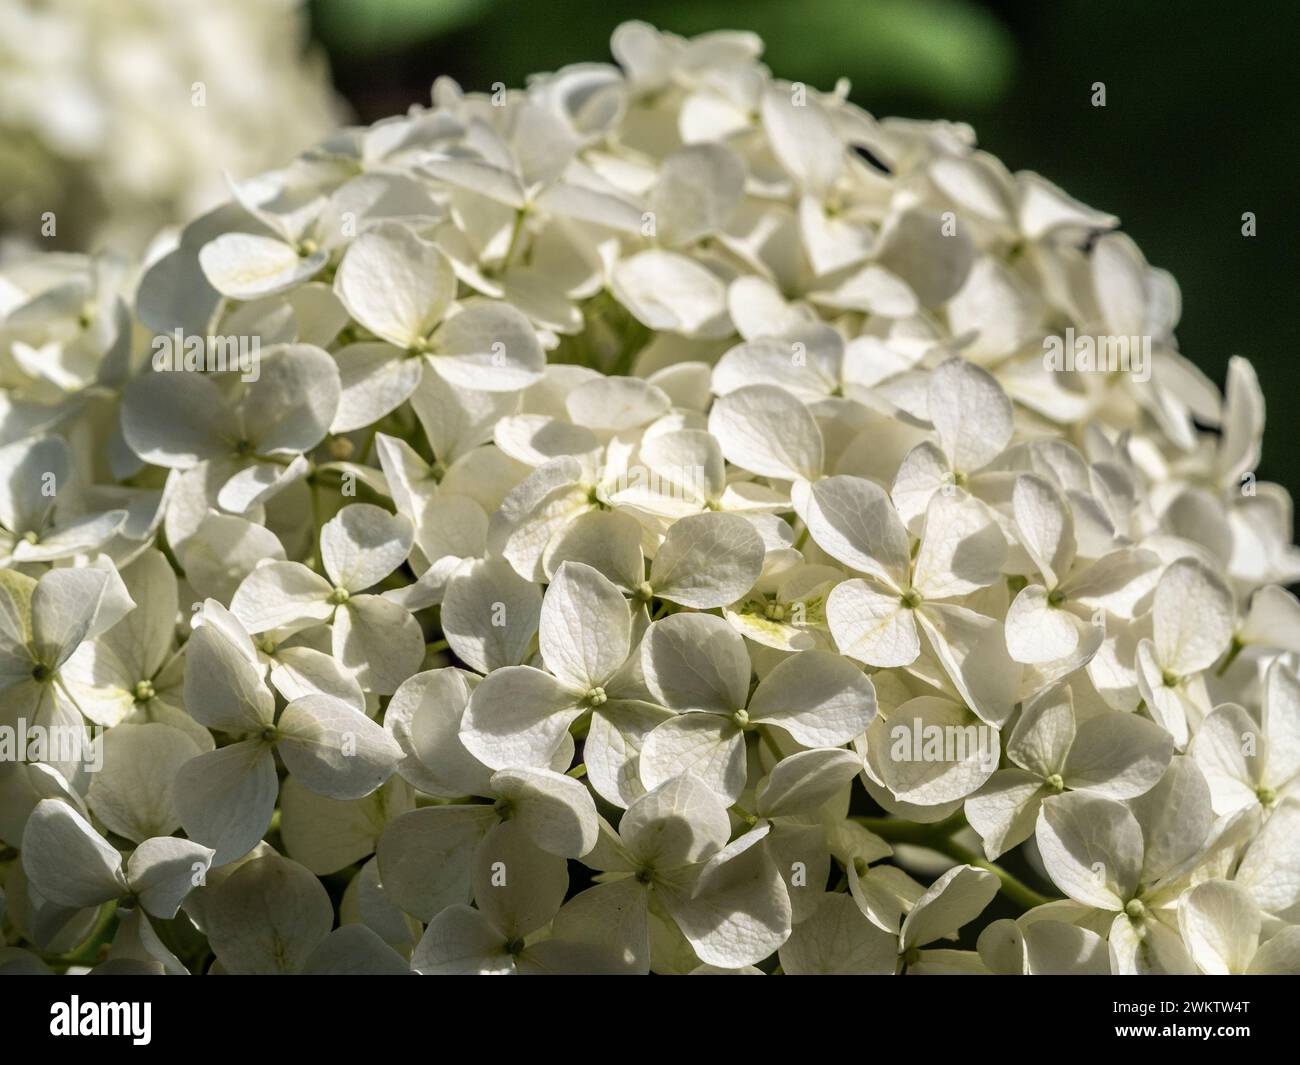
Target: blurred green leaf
{"points": [[951, 51], [364, 27]]}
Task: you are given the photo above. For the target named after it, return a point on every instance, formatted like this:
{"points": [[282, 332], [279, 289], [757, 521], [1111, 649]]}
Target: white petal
{"points": [[972, 650], [424, 716], [613, 404], [490, 615], [226, 798], [132, 793], [696, 662], [327, 835], [66, 860], [938, 752], [163, 870], [1039, 631], [333, 749], [1043, 735], [281, 595], [518, 886], [362, 544], [379, 642], [871, 626], [817, 697], [1176, 818], [1220, 923], [1005, 810], [1281, 724], [1092, 848], [971, 414], [223, 689], [374, 379], [708, 747], [766, 430], [737, 912], [804, 781], [519, 716], [955, 899], [698, 190], [461, 941], [290, 406], [1045, 526], [268, 917], [395, 284], [426, 857], [670, 293], [708, 560], [244, 266], [1193, 617], [555, 811], [679, 823], [1118, 755], [962, 548], [488, 345], [354, 950], [586, 627], [803, 139]]}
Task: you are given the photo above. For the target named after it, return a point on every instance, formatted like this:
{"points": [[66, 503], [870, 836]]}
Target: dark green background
{"points": [[1200, 123]]}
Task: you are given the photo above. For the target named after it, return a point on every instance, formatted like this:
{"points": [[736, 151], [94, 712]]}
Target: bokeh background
{"points": [[1200, 123]]}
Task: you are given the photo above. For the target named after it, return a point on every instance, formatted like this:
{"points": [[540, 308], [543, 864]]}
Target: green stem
{"points": [[88, 952], [1016, 890], [370, 443], [169, 554], [313, 486], [938, 837], [1234, 649], [770, 744], [896, 830], [515, 232], [437, 645]]}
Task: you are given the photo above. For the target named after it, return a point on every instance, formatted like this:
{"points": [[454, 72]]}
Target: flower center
{"points": [[596, 696], [144, 691], [338, 597], [775, 611], [32, 536], [1136, 909], [1169, 678], [741, 718], [910, 599], [42, 673], [1055, 597], [1055, 782], [644, 592], [1266, 796]]}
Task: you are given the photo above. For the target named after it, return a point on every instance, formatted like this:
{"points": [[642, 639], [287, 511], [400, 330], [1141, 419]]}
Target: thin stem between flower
{"points": [[938, 836]]}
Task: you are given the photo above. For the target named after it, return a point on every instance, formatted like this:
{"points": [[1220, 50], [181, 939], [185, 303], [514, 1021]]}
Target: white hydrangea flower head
{"points": [[639, 523]]}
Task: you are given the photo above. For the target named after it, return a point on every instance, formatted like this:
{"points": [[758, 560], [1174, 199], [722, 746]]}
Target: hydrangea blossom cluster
{"points": [[117, 119], [635, 524]]}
